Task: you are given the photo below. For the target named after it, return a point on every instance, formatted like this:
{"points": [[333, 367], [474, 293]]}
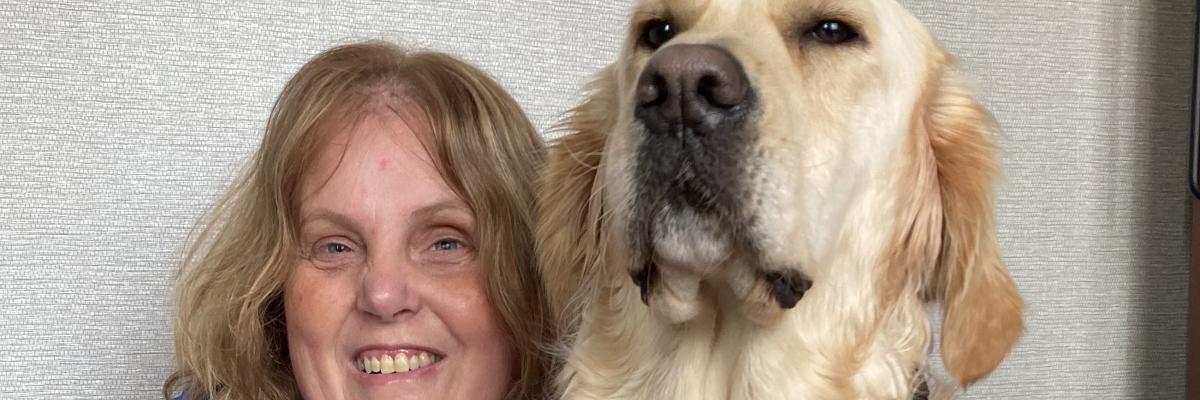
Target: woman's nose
{"points": [[388, 288]]}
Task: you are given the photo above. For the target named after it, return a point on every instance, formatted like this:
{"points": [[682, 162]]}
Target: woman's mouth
{"points": [[394, 362]]}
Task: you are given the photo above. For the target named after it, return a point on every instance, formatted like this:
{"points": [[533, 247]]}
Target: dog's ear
{"points": [[982, 319], [570, 226]]}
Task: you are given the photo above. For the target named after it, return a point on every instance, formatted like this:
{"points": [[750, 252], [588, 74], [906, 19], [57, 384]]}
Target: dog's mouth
{"points": [[694, 127], [680, 247], [685, 229], [686, 210], [680, 229]]}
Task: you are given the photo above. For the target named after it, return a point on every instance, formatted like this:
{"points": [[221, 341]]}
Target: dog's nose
{"points": [[696, 88]]}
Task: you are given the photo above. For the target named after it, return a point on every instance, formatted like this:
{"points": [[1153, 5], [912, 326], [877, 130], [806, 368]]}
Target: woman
{"points": [[378, 245]]}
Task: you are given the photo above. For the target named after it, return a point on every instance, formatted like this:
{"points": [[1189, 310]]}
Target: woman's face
{"points": [[390, 281]]}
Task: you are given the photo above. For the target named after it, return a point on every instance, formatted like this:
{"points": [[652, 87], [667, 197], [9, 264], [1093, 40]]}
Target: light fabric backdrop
{"points": [[121, 121]]}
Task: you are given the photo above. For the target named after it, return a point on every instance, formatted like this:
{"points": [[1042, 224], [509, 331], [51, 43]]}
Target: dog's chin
{"points": [[684, 247], [686, 239], [687, 247]]}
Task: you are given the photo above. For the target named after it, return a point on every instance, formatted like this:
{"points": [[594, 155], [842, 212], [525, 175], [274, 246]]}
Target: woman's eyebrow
{"points": [[333, 217], [344, 221], [431, 210]]}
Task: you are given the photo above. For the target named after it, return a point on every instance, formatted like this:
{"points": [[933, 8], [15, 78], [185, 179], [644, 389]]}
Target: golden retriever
{"points": [[759, 199]]}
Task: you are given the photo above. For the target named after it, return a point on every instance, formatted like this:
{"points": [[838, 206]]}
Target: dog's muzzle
{"points": [[694, 106], [693, 103]]}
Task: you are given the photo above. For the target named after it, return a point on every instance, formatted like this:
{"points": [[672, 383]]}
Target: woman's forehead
{"points": [[370, 153]]}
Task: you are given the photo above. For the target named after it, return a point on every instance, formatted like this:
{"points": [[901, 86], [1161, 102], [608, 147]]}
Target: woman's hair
{"points": [[230, 333]]}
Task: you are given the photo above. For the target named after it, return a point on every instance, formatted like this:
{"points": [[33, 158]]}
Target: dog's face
{"points": [[745, 151], [746, 130]]}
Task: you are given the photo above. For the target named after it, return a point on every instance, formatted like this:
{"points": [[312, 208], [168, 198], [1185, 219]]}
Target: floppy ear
{"points": [[570, 227], [982, 318]]}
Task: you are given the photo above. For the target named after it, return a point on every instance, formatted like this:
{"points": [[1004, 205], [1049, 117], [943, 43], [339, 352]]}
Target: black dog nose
{"points": [[697, 88]]}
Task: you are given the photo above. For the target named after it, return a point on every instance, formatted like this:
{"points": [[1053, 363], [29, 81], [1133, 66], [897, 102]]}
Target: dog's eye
{"points": [[656, 33], [833, 32]]}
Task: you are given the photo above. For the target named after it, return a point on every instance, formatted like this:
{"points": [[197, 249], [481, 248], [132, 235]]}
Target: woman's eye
{"points": [[447, 245], [334, 251], [446, 251], [335, 248]]}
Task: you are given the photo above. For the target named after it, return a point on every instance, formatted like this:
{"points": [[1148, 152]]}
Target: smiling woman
{"points": [[378, 245]]}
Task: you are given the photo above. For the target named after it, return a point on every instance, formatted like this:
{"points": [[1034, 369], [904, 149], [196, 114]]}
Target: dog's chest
{"points": [[728, 358]]}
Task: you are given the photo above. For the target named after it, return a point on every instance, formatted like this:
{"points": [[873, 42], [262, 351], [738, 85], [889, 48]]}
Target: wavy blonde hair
{"points": [[230, 334]]}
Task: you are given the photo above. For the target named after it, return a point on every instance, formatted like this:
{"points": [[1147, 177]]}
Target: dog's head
{"points": [[767, 145]]}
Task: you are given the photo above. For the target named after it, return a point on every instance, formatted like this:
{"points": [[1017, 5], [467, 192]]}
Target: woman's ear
{"points": [[570, 233], [982, 319]]}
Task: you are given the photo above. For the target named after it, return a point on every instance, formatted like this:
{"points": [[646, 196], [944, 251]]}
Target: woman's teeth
{"points": [[385, 364]]}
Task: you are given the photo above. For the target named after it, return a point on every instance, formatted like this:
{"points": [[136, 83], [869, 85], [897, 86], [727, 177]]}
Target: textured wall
{"points": [[121, 121]]}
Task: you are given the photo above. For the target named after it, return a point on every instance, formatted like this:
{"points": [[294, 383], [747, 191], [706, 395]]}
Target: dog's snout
{"points": [[698, 87]]}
